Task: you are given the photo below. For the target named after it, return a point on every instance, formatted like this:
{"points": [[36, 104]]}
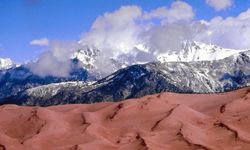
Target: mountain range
{"points": [[196, 68]]}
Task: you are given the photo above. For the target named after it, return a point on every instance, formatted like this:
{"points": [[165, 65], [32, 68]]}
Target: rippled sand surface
{"points": [[164, 121]]}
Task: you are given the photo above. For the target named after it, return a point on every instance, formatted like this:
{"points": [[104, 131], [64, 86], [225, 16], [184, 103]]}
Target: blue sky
{"points": [[66, 20]]}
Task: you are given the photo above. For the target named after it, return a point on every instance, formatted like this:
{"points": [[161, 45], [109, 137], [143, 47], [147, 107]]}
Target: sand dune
{"points": [[164, 121]]}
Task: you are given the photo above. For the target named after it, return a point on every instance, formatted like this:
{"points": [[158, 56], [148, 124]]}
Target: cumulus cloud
{"points": [[169, 38], [115, 31], [118, 33], [179, 11], [219, 4], [40, 42], [54, 62], [231, 32]]}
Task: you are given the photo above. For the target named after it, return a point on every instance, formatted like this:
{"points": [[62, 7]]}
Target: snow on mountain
{"points": [[197, 67], [53, 88], [90, 59], [196, 51], [86, 56], [191, 51], [6, 63], [139, 80]]}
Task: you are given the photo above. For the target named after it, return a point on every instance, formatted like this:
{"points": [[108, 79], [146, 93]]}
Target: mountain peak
{"points": [[197, 51], [86, 56], [6, 63]]}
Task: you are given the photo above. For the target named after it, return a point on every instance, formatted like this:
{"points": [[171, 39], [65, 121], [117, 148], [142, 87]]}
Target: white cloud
{"points": [[219, 4], [178, 11], [168, 38], [54, 62], [119, 31], [121, 34], [116, 33], [231, 32], [40, 42], [116, 30]]}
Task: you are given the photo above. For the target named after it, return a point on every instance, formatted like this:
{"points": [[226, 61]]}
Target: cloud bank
{"points": [[231, 32], [54, 62], [40, 42], [118, 34], [132, 35]]}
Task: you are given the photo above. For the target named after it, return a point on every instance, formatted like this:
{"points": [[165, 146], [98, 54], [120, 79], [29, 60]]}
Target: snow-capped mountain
{"points": [[86, 57], [197, 68], [89, 58], [190, 51], [196, 51], [6, 63], [139, 80]]}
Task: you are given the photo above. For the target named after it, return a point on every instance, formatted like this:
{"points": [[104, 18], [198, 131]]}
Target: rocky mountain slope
{"points": [[156, 122], [14, 79], [139, 80], [20, 78], [190, 74]]}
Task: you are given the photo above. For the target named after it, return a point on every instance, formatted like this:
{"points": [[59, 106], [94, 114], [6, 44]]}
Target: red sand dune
{"points": [[164, 121]]}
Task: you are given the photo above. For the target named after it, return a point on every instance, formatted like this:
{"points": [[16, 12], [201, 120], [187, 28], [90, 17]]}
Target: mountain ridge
{"points": [[139, 80], [133, 81]]}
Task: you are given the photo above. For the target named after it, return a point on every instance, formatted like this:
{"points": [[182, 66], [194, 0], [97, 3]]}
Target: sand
{"points": [[165, 121]]}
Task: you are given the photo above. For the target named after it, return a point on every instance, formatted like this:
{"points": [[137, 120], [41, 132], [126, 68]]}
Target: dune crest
{"points": [[156, 122]]}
